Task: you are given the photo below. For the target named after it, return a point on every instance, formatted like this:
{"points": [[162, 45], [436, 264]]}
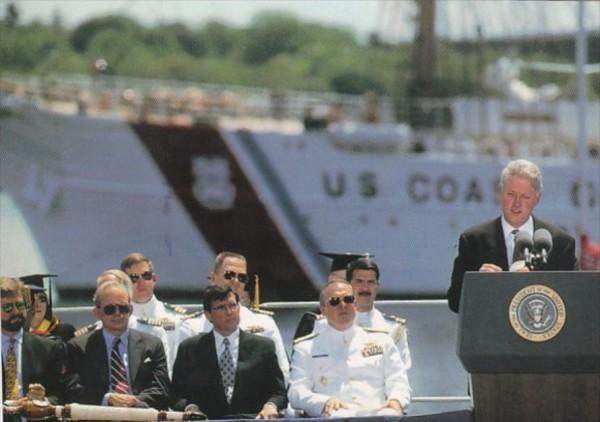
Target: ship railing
{"points": [[459, 126], [438, 381], [140, 98]]}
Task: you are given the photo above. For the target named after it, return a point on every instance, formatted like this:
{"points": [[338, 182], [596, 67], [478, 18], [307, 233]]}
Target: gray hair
{"points": [[525, 169], [340, 281], [223, 256], [99, 293], [119, 277]]}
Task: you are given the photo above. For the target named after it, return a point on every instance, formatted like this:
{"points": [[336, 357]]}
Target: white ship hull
{"points": [[79, 193]]}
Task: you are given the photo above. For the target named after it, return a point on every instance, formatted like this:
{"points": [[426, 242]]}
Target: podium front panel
{"points": [[569, 303]]}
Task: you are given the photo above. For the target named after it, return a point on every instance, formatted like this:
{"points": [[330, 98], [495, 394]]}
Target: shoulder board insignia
{"points": [[253, 329], [374, 330], [175, 308], [192, 315], [394, 318], [306, 337], [262, 311], [399, 330], [165, 323], [84, 330]]}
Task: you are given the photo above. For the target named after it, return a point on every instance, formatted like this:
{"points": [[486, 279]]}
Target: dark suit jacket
{"points": [[43, 361], [148, 373], [484, 243], [197, 378]]}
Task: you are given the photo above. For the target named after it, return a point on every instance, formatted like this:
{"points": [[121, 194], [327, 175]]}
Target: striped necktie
{"points": [[118, 373], [227, 371], [11, 385]]}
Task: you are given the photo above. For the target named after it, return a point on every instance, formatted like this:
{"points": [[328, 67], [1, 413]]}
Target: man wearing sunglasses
{"points": [[345, 370], [228, 371], [170, 320], [27, 358], [230, 270], [337, 270], [117, 365]]}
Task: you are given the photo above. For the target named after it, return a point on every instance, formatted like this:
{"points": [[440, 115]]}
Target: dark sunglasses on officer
{"points": [[336, 300], [146, 275], [230, 275]]}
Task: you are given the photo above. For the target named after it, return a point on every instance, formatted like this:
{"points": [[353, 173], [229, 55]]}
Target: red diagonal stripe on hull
{"points": [[246, 228]]}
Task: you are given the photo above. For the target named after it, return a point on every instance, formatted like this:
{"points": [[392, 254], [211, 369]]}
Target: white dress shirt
{"points": [[255, 323], [509, 238]]}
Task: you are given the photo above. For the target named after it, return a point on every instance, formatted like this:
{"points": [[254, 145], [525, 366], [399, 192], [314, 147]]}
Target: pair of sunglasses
{"points": [[335, 300], [146, 275], [241, 277], [111, 309], [8, 307]]}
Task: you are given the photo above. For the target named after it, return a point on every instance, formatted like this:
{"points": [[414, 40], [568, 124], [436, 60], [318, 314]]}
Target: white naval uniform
{"points": [[171, 329], [361, 368], [376, 320], [255, 323]]}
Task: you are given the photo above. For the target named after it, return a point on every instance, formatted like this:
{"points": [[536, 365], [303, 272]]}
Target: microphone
{"points": [[523, 246], [542, 240]]}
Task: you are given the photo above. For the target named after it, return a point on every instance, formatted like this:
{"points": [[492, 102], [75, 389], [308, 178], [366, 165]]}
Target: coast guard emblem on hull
{"points": [[537, 313], [212, 186]]}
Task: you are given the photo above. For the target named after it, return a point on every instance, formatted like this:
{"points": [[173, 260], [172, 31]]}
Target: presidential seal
{"points": [[537, 313]]}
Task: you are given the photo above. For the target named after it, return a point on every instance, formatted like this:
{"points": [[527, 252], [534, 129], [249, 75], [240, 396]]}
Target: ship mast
{"points": [[424, 48], [582, 151]]}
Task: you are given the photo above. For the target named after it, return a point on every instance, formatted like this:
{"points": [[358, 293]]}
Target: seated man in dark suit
{"points": [[227, 371], [27, 358], [117, 365], [489, 246]]}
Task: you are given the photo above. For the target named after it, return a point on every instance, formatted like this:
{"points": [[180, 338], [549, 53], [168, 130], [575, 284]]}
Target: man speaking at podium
{"points": [[490, 246]]}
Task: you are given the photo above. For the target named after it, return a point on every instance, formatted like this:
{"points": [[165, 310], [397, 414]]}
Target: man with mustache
{"points": [[27, 358], [363, 275]]}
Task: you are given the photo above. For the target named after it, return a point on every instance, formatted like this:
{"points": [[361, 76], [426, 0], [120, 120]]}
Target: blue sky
{"points": [[391, 19]]}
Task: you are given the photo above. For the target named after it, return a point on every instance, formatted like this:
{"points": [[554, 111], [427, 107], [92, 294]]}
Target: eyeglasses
{"points": [[229, 306], [8, 307], [111, 309], [147, 275], [335, 300], [230, 275]]}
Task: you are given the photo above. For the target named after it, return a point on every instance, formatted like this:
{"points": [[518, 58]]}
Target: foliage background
{"points": [[276, 50]]}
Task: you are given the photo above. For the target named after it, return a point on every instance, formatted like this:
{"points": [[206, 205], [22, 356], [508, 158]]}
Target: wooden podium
{"points": [[531, 342]]}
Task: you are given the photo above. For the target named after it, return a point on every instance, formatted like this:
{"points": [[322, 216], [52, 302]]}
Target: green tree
{"points": [[353, 82], [270, 34], [84, 33], [219, 38]]}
